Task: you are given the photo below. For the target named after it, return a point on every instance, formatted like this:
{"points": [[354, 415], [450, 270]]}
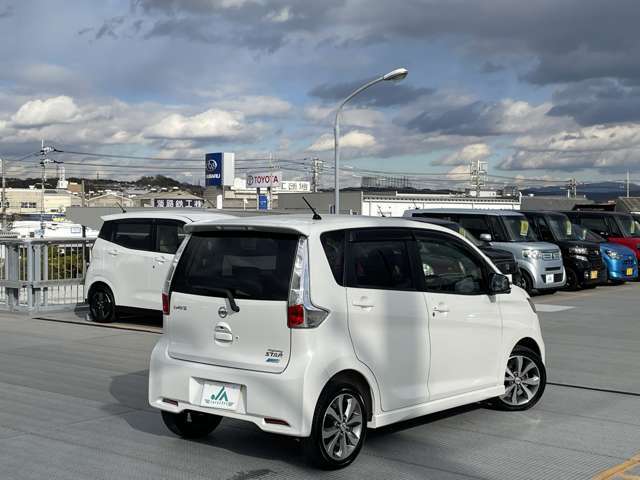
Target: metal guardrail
{"points": [[43, 273]]}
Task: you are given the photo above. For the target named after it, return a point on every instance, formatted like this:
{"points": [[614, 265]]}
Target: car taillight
{"points": [[301, 312], [295, 316], [166, 290], [165, 303]]}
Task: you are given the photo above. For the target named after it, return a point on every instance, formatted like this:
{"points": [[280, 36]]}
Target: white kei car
{"points": [[323, 328], [131, 257]]}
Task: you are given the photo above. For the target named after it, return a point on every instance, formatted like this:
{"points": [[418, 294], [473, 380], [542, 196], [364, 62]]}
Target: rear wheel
{"points": [[102, 305], [191, 424], [525, 380], [339, 427]]}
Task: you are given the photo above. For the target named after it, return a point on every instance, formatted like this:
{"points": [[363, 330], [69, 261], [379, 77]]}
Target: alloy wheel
{"points": [[521, 381], [342, 426]]}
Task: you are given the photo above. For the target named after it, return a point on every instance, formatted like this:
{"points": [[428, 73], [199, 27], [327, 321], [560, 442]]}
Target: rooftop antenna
{"points": [[315, 213], [121, 207]]}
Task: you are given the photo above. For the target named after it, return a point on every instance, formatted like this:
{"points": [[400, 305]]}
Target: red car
{"points": [[616, 227]]}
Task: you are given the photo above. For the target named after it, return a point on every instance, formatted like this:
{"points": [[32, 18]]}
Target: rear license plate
{"points": [[594, 274], [629, 272], [224, 396], [549, 278]]}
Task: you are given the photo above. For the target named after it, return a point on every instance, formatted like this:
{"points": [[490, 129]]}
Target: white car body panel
{"points": [[136, 277], [482, 330]]}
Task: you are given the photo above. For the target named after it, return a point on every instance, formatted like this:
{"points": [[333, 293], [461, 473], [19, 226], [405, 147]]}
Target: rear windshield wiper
{"points": [[224, 291]]}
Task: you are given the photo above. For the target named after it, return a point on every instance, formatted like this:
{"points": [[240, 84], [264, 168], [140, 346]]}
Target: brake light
{"points": [[301, 312], [165, 303], [295, 316]]}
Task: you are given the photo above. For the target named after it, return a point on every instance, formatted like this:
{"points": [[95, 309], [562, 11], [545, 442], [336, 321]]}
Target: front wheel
{"points": [[339, 428], [191, 424], [524, 281], [524, 381]]}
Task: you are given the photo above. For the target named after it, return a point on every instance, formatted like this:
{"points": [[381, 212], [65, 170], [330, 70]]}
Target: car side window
{"points": [[379, 264], [169, 236], [133, 234], [333, 244], [544, 230], [497, 230], [106, 231], [476, 224], [450, 267], [597, 224]]}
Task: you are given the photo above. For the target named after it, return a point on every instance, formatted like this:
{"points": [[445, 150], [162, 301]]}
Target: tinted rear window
{"points": [[252, 265]]}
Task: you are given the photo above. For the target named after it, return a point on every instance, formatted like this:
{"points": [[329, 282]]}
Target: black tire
{"points": [[317, 453], [191, 424], [525, 282], [515, 401], [102, 305], [572, 283]]}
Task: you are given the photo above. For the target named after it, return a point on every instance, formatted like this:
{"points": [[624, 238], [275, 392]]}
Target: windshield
{"points": [[630, 227], [562, 227], [518, 229], [586, 234]]}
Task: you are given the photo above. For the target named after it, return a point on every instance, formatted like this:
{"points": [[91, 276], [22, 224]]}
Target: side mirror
{"points": [[485, 237], [499, 283]]}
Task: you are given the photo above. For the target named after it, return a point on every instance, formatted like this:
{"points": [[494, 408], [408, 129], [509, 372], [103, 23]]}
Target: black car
{"points": [[502, 259], [581, 259]]}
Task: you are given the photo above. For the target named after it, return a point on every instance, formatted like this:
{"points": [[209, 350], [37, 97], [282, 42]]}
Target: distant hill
{"points": [[597, 191]]}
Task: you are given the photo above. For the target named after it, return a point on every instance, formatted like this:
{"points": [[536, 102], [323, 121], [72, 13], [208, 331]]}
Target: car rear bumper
{"points": [[177, 385]]}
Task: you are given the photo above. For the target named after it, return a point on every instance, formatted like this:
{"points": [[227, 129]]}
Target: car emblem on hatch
{"points": [[222, 311]]}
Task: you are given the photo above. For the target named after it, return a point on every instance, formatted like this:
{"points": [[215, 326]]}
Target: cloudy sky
{"points": [[545, 89]]}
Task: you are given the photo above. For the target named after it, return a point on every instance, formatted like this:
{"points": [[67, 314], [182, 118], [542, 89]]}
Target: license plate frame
{"points": [[594, 275], [220, 395], [629, 271], [549, 278]]}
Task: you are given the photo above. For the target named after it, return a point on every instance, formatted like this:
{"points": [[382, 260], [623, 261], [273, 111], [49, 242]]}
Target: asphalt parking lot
{"points": [[73, 406]]}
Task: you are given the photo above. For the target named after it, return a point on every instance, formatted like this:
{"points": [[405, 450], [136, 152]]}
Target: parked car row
{"points": [[320, 328], [554, 249]]}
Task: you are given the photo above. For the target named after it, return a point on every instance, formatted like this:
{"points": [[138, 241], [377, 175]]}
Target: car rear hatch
{"points": [[228, 299]]}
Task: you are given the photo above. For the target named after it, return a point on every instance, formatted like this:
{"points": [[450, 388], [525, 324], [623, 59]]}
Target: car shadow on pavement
{"points": [[242, 438]]}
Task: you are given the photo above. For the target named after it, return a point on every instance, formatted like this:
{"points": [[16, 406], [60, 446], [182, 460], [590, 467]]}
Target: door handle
{"points": [[442, 308], [160, 259], [362, 303], [113, 252], [223, 337]]}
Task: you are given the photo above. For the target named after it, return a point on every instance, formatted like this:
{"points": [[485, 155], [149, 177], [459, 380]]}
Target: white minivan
{"points": [[131, 257], [323, 328]]}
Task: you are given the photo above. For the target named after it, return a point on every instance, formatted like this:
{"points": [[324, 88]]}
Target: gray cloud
{"points": [[473, 119], [491, 67], [6, 12], [601, 101], [382, 95], [109, 27]]}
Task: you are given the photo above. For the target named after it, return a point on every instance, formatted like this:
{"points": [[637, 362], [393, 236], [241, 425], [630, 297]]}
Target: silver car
{"points": [[540, 262]]}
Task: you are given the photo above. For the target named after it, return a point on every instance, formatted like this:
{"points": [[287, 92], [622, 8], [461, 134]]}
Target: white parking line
{"points": [[548, 308]]}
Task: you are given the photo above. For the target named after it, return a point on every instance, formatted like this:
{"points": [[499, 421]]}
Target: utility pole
{"points": [[82, 194], [316, 168], [572, 188], [4, 197], [478, 175], [627, 182]]}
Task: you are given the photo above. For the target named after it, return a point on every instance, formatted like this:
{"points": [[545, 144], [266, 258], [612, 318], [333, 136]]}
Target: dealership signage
{"points": [[219, 169], [264, 179], [178, 203]]}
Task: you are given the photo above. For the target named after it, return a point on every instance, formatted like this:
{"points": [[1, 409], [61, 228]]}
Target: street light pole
{"points": [[397, 74]]}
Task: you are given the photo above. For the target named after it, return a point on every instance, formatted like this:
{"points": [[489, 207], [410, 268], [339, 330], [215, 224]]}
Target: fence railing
{"points": [[43, 273]]}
